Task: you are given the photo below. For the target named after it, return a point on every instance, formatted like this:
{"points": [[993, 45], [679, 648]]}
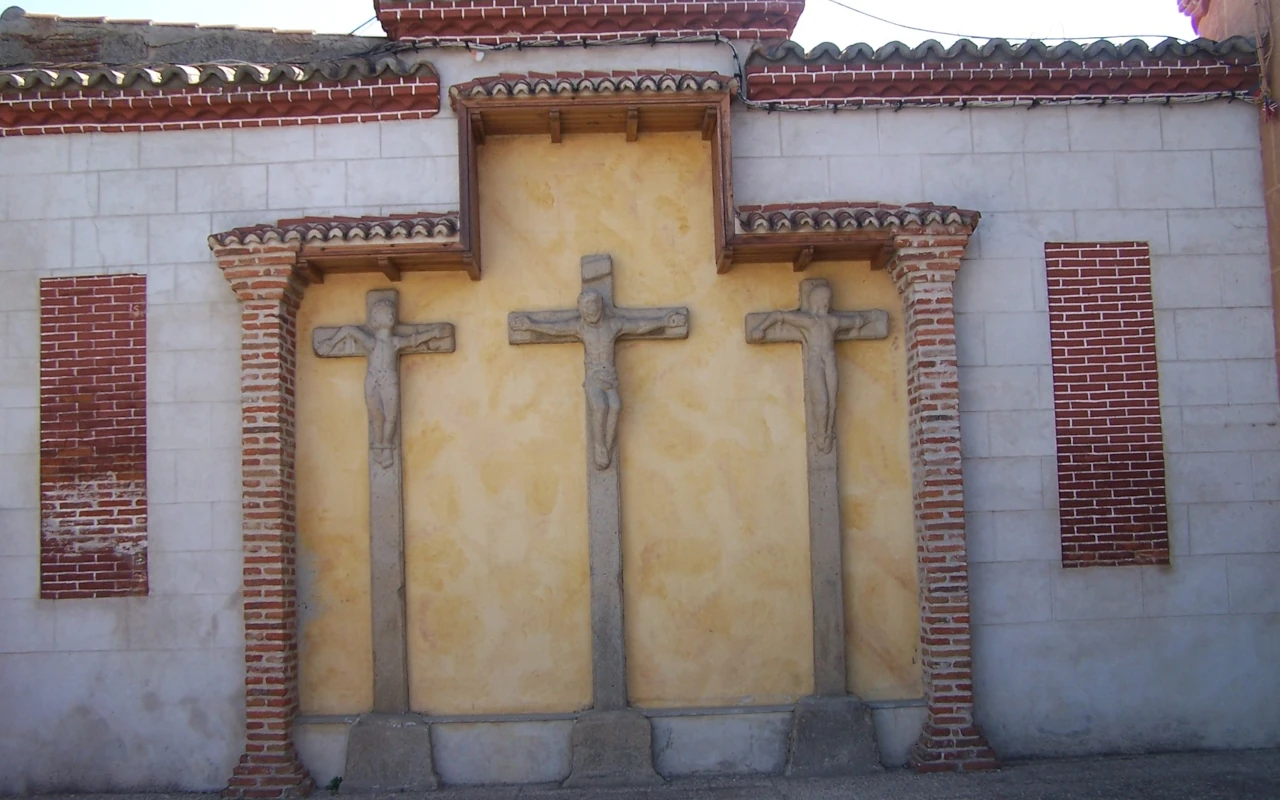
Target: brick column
{"points": [[924, 270], [264, 280]]}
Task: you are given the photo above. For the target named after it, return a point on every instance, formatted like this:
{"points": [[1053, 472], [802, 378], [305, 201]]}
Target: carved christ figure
{"points": [[383, 339], [817, 329], [598, 325]]}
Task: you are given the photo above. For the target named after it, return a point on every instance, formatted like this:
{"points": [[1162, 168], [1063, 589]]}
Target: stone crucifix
{"points": [[612, 744], [817, 328], [383, 339]]}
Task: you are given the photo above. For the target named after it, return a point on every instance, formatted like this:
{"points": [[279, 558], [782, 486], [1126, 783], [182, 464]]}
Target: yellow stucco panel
{"points": [[711, 449]]}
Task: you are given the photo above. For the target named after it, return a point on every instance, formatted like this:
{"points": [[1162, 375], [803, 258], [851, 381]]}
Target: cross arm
{"points": [[652, 323], [436, 337], [770, 327], [852, 325], [543, 327], [348, 340]]}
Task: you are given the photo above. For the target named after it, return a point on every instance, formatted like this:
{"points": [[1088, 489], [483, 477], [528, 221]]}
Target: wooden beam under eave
{"points": [[477, 127], [310, 271], [882, 258], [802, 260], [554, 121], [709, 124], [725, 262], [633, 124], [471, 265], [388, 267]]}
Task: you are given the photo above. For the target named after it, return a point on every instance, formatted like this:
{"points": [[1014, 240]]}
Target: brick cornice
{"points": [[496, 21]]}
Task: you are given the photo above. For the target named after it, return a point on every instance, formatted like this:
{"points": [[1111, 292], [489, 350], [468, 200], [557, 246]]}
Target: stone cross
{"points": [[383, 339], [598, 324], [817, 328]]}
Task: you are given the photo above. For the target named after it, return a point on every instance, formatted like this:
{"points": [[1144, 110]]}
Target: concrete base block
{"points": [[721, 744], [897, 731], [831, 736], [612, 748], [389, 753], [487, 753]]}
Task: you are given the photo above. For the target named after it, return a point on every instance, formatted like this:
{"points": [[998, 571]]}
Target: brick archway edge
{"points": [[269, 286]]}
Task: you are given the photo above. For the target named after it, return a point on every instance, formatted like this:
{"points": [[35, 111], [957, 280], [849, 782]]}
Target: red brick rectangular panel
{"points": [[1106, 397], [93, 436]]}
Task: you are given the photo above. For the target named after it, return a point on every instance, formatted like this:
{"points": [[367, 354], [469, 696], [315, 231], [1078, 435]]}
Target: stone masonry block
{"points": [[1017, 339], [988, 182], [1021, 433], [147, 191], [1266, 474], [222, 188], [1255, 583], [1237, 178], [50, 197], [208, 475], [91, 626], [1246, 281], [830, 737], [1187, 281], [756, 134], [1151, 227], [1209, 478], [1003, 389], [892, 179], [1193, 383], [829, 134], [334, 142], [178, 426], [975, 439], [1114, 593], [178, 239], [19, 431], [273, 145], [925, 130], [1003, 484], [187, 148], [1007, 130], [307, 183], [780, 180], [1165, 180], [720, 743], [1209, 126], [995, 285], [179, 528], [185, 573], [1128, 128], [1026, 535], [1225, 333], [1071, 181], [488, 753], [426, 137], [185, 622], [26, 626], [612, 748], [110, 242], [34, 155], [389, 754], [19, 577], [1252, 381], [1192, 585], [1218, 232], [423, 182], [1234, 528], [1022, 234], [92, 152], [1011, 592]]}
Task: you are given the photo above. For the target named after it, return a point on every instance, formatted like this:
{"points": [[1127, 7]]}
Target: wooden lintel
{"points": [[709, 123], [388, 267], [477, 127], [802, 260], [633, 124], [882, 258], [554, 121]]}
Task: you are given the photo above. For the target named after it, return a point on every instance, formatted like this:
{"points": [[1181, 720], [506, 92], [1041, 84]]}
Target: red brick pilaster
{"points": [[924, 269], [269, 291]]}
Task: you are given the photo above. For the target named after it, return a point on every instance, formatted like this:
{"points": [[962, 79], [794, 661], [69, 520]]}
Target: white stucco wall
{"points": [[148, 692], [1104, 659]]}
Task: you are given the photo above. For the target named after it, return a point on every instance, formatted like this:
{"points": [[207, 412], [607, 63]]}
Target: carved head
{"points": [[591, 306], [382, 315], [819, 298]]}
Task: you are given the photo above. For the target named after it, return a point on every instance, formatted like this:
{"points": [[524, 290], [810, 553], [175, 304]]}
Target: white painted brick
{"points": [[1022, 234], [1100, 593], [355, 140], [422, 182], [1003, 484], [87, 625], [1005, 593], [986, 182], [209, 375], [818, 134], [1237, 178], [1114, 127], [1192, 585], [1166, 180], [31, 155], [103, 151], [178, 622], [756, 134], [307, 183], [227, 532], [186, 148], [179, 239], [19, 291], [19, 528], [1230, 429], [1246, 281], [177, 573], [26, 626], [20, 488], [1027, 536], [48, 197], [979, 537], [180, 527], [780, 180], [145, 191], [1021, 433], [1209, 478], [880, 179], [1193, 383], [1017, 339], [1017, 130], [21, 431], [19, 577], [970, 340], [1186, 282], [1225, 333], [1255, 583], [1266, 476], [1209, 126], [1252, 381], [178, 426], [975, 440], [207, 475], [109, 242], [1003, 389], [1071, 181], [177, 327], [1151, 227], [925, 130], [22, 334], [426, 137], [991, 284], [1250, 527], [273, 145], [222, 188], [1218, 232]]}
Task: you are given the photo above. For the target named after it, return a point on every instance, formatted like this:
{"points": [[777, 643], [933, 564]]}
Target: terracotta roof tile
{"points": [[351, 230], [835, 217], [540, 84]]}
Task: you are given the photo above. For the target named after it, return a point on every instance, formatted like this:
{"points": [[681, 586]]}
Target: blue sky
{"points": [[823, 20]]}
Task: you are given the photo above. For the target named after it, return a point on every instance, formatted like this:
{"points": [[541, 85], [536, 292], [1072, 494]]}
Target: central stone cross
{"points": [[831, 733], [612, 744]]}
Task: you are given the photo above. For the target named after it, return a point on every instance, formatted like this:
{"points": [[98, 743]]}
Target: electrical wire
{"points": [[358, 28], [974, 36]]}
